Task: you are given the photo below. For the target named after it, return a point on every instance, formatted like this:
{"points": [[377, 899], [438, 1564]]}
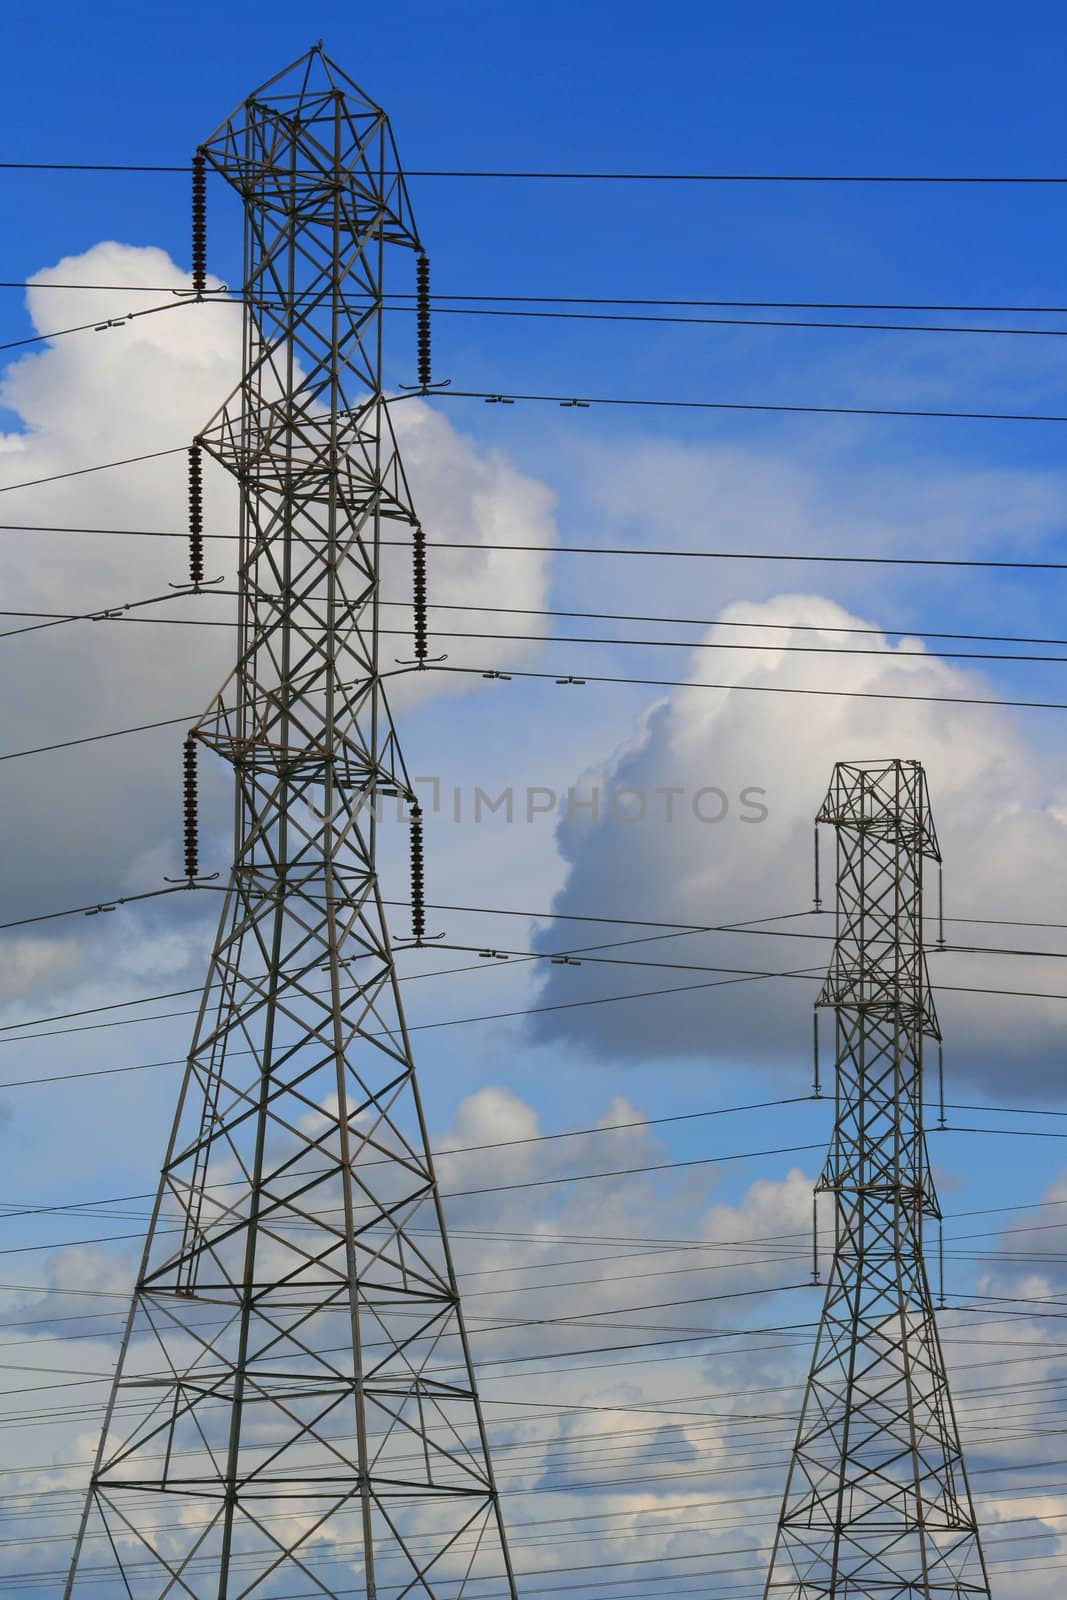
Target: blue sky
{"points": [[963, 90]]}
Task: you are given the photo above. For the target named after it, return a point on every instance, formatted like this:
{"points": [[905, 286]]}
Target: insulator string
{"points": [[816, 897], [422, 318], [196, 518], [421, 625], [418, 886], [191, 808], [816, 1071], [199, 239], [815, 1274]]}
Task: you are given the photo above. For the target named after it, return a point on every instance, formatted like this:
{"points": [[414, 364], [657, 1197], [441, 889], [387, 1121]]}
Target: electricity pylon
{"points": [[877, 1502], [295, 1410]]}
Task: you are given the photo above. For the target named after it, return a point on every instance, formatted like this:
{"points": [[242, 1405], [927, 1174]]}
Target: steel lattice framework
{"points": [[295, 1409], [877, 1502]]}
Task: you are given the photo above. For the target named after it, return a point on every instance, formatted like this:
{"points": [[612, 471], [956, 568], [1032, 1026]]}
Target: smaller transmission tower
{"points": [[877, 1504]]}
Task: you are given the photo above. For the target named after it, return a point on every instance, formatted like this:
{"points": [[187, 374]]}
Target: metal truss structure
{"points": [[877, 1504], [295, 1410]]}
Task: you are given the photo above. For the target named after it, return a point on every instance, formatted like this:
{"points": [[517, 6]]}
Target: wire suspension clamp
{"points": [[199, 238]]}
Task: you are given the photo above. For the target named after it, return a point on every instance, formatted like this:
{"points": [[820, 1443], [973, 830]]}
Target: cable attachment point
{"points": [[199, 241]]}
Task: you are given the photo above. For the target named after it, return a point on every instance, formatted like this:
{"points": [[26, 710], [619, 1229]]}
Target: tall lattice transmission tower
{"points": [[877, 1502], [295, 1410]]}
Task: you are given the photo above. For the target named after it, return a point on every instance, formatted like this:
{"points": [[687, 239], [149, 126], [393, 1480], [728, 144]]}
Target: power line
{"points": [[588, 550], [580, 955], [736, 974], [120, 614], [607, 678], [111, 614], [587, 300], [99, 906], [102, 466], [585, 951], [659, 318], [512, 911], [594, 176], [635, 318], [90, 166], [720, 622], [733, 177], [496, 1325], [785, 649], [768, 305], [504, 396], [94, 738], [97, 327], [650, 1243], [761, 688]]}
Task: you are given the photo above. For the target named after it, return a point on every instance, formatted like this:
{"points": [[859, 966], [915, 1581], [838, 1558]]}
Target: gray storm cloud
{"points": [[708, 855]]}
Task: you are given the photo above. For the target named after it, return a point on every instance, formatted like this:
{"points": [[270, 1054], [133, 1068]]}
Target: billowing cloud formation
{"points": [[104, 817], [705, 817], [641, 1344]]}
